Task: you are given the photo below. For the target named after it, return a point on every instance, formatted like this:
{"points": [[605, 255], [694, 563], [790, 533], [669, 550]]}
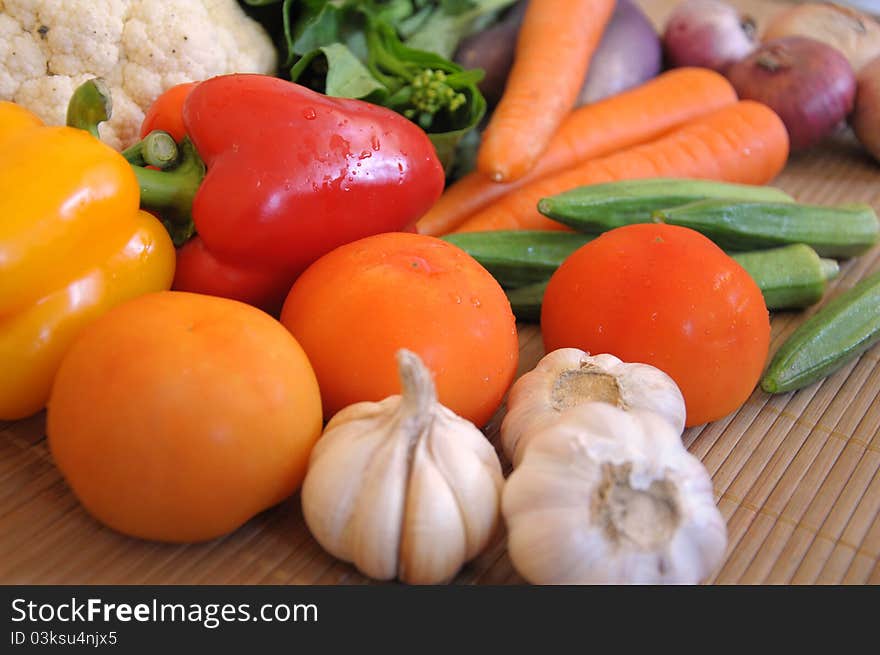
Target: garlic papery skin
{"points": [[569, 377], [607, 496], [403, 487]]}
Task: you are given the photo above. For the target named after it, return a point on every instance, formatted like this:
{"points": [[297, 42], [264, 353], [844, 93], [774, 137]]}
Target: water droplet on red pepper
{"points": [[310, 114]]}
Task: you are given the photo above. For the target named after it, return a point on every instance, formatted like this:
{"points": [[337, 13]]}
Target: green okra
{"points": [[842, 231], [519, 257], [526, 301], [789, 277], [598, 208], [836, 334]]}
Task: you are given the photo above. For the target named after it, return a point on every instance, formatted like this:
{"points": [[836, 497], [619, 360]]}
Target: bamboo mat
{"points": [[796, 476]]}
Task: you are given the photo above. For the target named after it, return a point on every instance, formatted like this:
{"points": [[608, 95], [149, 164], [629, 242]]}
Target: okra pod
{"points": [[519, 257], [841, 231], [836, 334], [526, 301], [598, 208], [789, 277]]}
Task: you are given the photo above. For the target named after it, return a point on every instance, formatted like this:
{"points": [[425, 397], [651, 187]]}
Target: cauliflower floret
{"points": [[141, 47]]}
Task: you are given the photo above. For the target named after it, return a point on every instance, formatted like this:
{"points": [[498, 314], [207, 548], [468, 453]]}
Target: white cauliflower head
{"points": [[140, 47]]}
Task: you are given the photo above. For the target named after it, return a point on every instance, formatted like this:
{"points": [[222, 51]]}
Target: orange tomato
{"points": [[177, 417], [666, 296], [355, 307]]}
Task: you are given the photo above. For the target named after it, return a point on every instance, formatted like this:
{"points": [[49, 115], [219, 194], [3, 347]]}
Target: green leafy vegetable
{"points": [[451, 24], [391, 52]]}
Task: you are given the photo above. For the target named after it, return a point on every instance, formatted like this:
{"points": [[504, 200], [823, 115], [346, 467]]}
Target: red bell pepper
{"points": [[291, 174]]}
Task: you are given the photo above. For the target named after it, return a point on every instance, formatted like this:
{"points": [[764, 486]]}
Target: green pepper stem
{"points": [[90, 105], [171, 192], [156, 149]]}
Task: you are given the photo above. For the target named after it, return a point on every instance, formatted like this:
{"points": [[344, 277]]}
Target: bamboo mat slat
{"points": [[796, 476]]}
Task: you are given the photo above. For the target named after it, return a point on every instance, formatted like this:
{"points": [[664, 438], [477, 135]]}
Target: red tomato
{"points": [[666, 296], [166, 113], [354, 308]]}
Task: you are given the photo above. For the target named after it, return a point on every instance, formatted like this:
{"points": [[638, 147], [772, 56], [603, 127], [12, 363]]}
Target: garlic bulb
{"points": [[569, 377], [607, 496], [403, 487]]}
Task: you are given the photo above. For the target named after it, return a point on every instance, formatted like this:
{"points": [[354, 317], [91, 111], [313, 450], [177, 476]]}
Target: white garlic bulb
{"points": [[607, 496], [403, 487], [569, 377]]}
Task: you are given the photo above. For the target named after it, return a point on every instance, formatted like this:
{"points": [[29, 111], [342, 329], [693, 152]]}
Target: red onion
{"points": [[809, 84], [708, 33], [629, 54], [866, 117], [492, 50]]}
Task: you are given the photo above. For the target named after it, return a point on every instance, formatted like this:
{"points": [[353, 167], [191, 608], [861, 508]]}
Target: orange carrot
{"points": [[553, 51], [745, 143], [629, 118]]}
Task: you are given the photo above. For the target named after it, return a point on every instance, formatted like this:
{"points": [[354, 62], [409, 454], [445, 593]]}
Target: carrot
{"points": [[745, 143], [629, 118], [553, 51]]}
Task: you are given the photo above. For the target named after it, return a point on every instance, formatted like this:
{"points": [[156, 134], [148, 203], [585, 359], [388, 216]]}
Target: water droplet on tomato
{"points": [[476, 302]]}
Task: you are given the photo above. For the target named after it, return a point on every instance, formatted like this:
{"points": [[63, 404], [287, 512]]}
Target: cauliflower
{"points": [[140, 47]]}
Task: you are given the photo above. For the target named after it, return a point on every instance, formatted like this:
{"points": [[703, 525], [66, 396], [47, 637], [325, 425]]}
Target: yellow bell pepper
{"points": [[73, 243]]}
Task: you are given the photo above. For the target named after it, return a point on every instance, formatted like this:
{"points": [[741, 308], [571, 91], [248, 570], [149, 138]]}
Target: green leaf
{"points": [[446, 143], [345, 77], [455, 7], [316, 29], [413, 23], [445, 29], [465, 159], [394, 11]]}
